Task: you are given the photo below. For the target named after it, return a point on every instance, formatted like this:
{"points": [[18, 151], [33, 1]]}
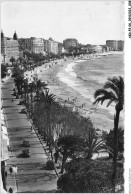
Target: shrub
{"points": [[50, 165], [88, 177]]}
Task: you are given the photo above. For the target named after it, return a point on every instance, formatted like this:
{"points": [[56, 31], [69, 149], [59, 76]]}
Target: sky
{"points": [[90, 22]]}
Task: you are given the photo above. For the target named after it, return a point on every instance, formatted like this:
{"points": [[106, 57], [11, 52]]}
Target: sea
{"points": [[85, 77]]}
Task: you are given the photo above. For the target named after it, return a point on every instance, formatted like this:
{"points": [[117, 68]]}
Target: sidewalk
{"points": [[30, 175]]}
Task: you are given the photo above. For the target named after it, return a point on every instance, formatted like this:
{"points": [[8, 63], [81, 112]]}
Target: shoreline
{"points": [[67, 95]]}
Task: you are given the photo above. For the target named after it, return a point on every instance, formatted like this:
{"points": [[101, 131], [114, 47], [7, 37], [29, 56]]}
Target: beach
{"points": [[64, 79]]}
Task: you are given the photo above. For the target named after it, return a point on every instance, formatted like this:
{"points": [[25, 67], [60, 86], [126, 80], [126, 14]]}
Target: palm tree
{"points": [[68, 145], [25, 86], [48, 99], [20, 59], [113, 91], [19, 80], [31, 89], [39, 86], [12, 60], [93, 145]]}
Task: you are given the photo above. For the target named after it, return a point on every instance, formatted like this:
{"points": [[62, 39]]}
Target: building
{"points": [[106, 48], [32, 44], [24, 44], [70, 42], [12, 49], [60, 48], [37, 45], [52, 46], [120, 45], [45, 45], [3, 43], [117, 45], [96, 49], [9, 48]]}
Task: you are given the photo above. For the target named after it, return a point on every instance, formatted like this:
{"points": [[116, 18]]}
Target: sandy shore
{"points": [[51, 74]]}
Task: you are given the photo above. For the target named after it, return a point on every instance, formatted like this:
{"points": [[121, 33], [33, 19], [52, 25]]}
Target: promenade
{"points": [[30, 176]]}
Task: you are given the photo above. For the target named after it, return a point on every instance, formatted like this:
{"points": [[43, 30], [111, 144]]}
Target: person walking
{"points": [[56, 156]]}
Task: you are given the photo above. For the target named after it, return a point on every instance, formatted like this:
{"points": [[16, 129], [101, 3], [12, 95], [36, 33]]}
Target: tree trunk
{"points": [[21, 89], [63, 164], [25, 97], [31, 102], [3, 174], [116, 122], [48, 122]]}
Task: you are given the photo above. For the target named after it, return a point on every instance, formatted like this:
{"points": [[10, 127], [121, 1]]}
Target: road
{"points": [[30, 177]]}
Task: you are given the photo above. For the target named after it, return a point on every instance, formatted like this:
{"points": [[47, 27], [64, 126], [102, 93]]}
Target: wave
{"points": [[79, 77], [70, 78], [69, 69]]}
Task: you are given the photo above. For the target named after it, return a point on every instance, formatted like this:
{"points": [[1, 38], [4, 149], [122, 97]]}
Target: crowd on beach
{"points": [[54, 82]]}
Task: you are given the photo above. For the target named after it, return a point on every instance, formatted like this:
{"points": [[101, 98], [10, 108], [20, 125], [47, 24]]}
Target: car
{"points": [[21, 102], [24, 110], [26, 143], [26, 153]]}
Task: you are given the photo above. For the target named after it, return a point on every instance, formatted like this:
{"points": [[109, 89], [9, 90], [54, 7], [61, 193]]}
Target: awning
{"points": [[5, 137], [2, 117], [2, 122], [4, 130], [4, 150]]}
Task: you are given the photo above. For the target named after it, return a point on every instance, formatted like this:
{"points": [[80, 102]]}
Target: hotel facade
{"points": [[52, 46], [70, 42], [117, 45], [9, 48]]}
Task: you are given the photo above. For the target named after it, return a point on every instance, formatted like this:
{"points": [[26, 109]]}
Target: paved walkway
{"points": [[30, 175]]}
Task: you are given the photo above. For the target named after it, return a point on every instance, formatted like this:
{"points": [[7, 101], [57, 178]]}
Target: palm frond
{"points": [[112, 86], [113, 91], [99, 146], [101, 95], [118, 82], [109, 103]]}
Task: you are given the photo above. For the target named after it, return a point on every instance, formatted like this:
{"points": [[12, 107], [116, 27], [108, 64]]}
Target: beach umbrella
{"points": [[2, 117]]}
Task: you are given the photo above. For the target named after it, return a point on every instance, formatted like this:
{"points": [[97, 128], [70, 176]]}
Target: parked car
{"points": [[24, 111], [26, 143], [21, 102], [26, 153]]}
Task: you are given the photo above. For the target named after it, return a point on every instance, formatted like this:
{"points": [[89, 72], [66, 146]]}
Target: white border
{"points": [[127, 165]]}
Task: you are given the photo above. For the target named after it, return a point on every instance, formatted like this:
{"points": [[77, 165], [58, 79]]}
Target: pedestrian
{"points": [[12, 100], [10, 170], [5, 173], [56, 156], [10, 190]]}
